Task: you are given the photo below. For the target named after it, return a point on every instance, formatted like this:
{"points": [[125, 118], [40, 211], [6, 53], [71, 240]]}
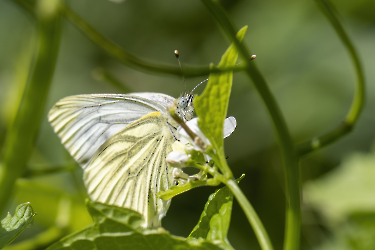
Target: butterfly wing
{"points": [[130, 168], [84, 122], [162, 99]]}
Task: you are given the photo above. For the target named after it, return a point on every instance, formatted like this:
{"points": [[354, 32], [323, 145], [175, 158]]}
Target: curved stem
{"points": [[289, 157], [26, 5], [220, 160], [21, 136], [128, 58], [359, 97], [290, 161], [251, 215]]}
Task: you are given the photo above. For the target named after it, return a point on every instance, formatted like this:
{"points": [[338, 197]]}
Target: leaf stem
{"points": [[219, 159], [289, 157], [255, 222], [251, 215], [130, 59], [359, 97], [26, 5]]}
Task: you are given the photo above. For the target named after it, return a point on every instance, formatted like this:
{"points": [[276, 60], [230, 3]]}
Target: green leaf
{"points": [[118, 228], [179, 189], [356, 233], [345, 199], [360, 231], [214, 222], [348, 189], [12, 226], [211, 107]]}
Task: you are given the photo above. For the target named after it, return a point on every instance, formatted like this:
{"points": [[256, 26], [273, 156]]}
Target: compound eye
{"points": [[183, 102], [190, 100]]}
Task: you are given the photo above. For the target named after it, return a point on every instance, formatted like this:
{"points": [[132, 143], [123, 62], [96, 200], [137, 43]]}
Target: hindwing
{"points": [[130, 168]]}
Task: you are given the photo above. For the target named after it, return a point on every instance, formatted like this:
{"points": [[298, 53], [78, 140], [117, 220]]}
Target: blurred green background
{"points": [[305, 65]]}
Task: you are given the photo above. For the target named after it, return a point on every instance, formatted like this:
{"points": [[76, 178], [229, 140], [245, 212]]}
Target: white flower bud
{"points": [[179, 175], [177, 159]]}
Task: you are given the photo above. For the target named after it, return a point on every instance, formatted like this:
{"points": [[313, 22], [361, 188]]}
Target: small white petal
{"points": [[177, 159], [230, 125]]}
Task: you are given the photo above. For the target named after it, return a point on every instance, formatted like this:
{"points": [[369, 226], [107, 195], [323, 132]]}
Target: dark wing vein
{"points": [[130, 168], [85, 122]]}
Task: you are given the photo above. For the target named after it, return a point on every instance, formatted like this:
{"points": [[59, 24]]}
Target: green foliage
{"points": [[348, 189], [12, 226], [179, 189], [119, 228], [355, 233], [345, 198], [211, 107], [214, 222], [360, 231]]}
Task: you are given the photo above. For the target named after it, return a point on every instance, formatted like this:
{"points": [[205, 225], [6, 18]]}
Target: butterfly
{"points": [[121, 141]]}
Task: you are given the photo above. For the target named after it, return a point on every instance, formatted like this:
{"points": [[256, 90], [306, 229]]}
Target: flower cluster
{"points": [[185, 147], [190, 150]]}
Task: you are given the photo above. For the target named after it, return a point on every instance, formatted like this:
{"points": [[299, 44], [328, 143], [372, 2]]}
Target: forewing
{"points": [[84, 122], [162, 99], [130, 168]]}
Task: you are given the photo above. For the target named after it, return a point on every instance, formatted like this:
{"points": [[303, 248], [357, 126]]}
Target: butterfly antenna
{"points": [[251, 58], [179, 63], [198, 85]]}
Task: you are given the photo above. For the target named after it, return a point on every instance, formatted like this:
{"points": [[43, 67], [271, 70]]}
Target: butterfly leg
{"points": [[170, 126]]}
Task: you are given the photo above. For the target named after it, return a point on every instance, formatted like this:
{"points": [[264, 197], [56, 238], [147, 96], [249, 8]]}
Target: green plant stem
{"points": [[131, 60], [22, 133], [290, 162], [359, 97], [28, 6], [251, 215], [289, 157], [220, 160]]}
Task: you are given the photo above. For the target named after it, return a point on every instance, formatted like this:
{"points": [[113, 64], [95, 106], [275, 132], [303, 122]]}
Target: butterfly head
{"points": [[183, 102], [185, 109]]}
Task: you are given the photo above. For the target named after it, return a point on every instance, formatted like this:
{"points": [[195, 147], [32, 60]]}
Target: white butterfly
{"points": [[121, 142]]}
